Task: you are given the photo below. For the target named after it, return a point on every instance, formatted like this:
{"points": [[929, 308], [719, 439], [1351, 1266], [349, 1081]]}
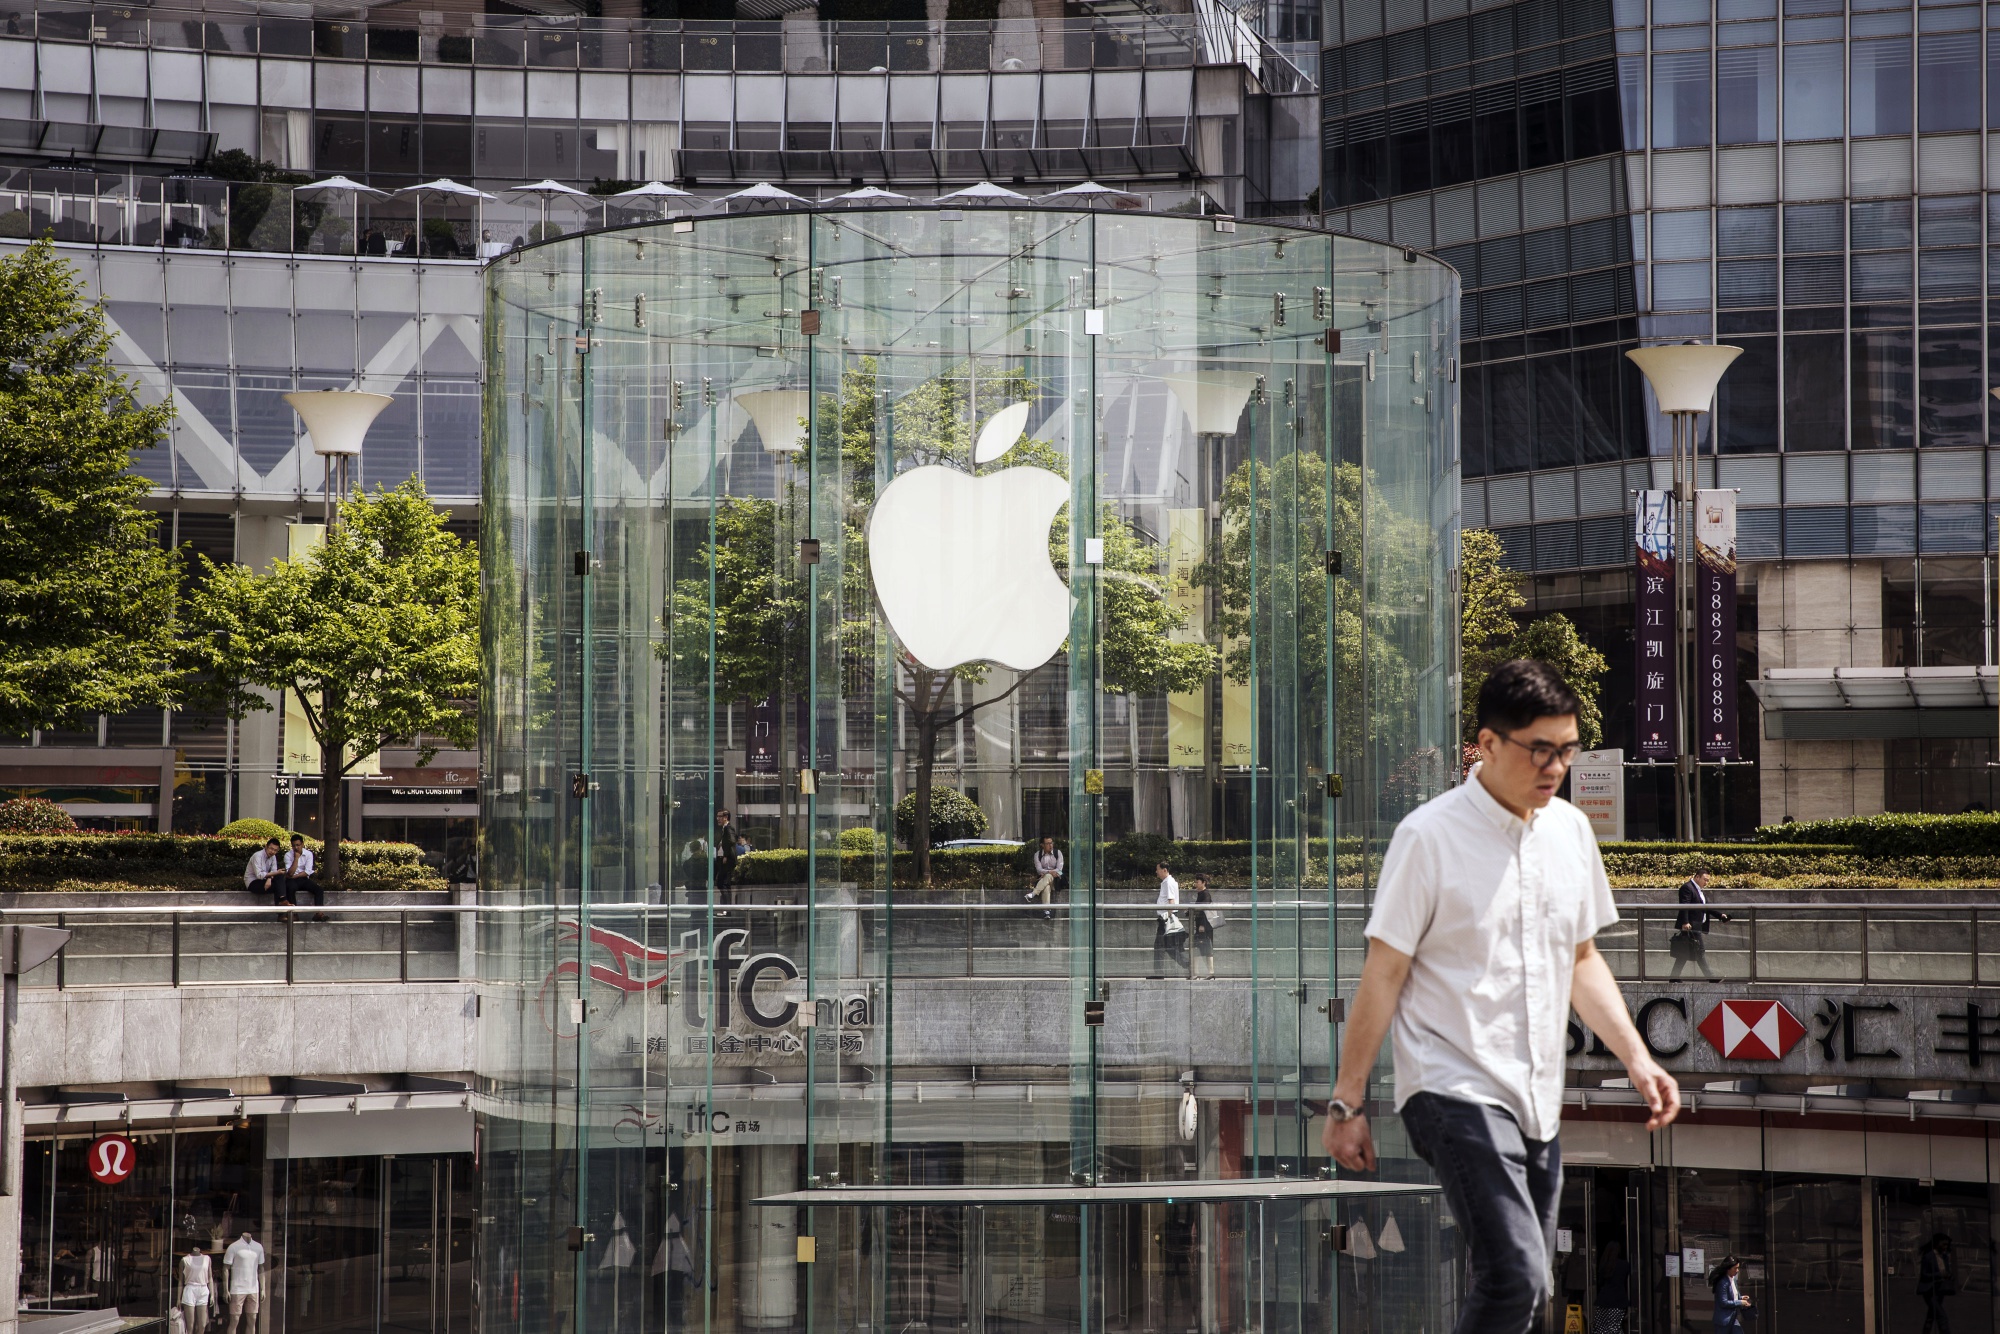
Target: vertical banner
{"points": [[761, 746], [1187, 711], [1715, 623], [1653, 629]]}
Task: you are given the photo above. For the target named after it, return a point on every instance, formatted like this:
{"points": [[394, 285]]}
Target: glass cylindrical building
{"points": [[1135, 531]]}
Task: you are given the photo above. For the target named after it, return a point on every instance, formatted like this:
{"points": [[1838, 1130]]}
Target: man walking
{"points": [[1480, 942], [1690, 942], [725, 859], [1170, 935]]}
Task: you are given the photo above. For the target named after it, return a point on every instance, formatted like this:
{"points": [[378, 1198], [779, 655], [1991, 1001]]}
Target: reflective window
{"points": [[1947, 81], [1879, 99], [1746, 96], [1680, 99]]}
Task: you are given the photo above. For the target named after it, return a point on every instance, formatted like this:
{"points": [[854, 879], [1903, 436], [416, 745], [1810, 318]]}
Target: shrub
{"points": [[34, 815], [1897, 835], [186, 862], [862, 840], [953, 815], [253, 828], [1134, 856]]}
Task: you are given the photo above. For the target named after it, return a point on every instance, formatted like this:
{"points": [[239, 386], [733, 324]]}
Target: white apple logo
{"points": [[961, 563]]}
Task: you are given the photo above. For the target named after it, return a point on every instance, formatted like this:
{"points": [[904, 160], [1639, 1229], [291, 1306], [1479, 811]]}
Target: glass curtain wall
{"points": [[1130, 530]]}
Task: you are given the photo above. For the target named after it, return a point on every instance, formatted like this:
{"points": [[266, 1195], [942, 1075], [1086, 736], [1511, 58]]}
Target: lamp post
{"points": [[337, 419], [1684, 376]]}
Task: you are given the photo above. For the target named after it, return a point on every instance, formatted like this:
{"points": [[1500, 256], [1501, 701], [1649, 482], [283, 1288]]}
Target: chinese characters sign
{"points": [[1715, 624], [1654, 626]]}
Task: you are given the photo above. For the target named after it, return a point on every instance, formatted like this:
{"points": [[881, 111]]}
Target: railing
{"points": [[1875, 942], [1123, 41]]}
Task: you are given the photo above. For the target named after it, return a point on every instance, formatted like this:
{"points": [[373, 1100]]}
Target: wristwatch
{"points": [[1340, 1110]]}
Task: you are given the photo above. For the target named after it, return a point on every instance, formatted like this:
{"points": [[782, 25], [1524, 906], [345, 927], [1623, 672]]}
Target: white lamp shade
{"points": [[1213, 400], [1684, 375], [336, 419], [777, 413]]}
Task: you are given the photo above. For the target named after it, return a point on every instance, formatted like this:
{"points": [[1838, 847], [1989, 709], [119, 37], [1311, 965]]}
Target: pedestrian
{"points": [[245, 1262], [1614, 1291], [1730, 1304], [1937, 1279], [725, 858], [197, 1285], [1048, 866], [299, 867], [1202, 929], [1480, 943], [266, 872], [1690, 942], [1170, 934]]}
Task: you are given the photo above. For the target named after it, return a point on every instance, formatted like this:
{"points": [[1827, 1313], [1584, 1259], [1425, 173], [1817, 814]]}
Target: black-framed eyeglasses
{"points": [[1543, 753]]}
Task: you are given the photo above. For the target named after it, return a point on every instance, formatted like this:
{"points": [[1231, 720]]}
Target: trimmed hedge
{"points": [[1896, 835], [34, 815], [187, 862]]}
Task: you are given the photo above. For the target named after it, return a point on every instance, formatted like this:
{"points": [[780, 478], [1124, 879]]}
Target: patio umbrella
{"points": [[867, 194], [763, 192], [1090, 192], [545, 190], [335, 185], [981, 193], [442, 190], [655, 192]]}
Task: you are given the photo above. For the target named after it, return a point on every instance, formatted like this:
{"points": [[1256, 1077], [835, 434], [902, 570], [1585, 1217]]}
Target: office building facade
{"points": [[1803, 181]]}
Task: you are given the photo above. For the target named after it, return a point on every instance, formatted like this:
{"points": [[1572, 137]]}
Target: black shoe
{"points": [[321, 917]]}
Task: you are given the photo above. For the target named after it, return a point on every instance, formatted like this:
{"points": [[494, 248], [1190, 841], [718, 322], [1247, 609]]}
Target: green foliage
{"points": [[84, 861], [953, 816], [1897, 835], [861, 839], [759, 616], [375, 630], [1490, 635], [250, 827], [1134, 856], [34, 815], [86, 589]]}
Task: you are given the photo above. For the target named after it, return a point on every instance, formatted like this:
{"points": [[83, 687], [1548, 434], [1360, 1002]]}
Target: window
{"points": [[1746, 401], [1813, 92], [1680, 99], [1746, 96], [1951, 397], [1507, 400], [1880, 98], [1883, 386], [1746, 231], [1815, 390], [1948, 81]]}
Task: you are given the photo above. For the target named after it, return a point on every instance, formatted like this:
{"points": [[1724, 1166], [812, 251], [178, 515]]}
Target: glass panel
{"points": [[1808, 945], [838, 559]]}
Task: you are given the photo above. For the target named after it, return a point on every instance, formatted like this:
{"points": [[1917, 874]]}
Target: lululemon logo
{"points": [[111, 1159]]}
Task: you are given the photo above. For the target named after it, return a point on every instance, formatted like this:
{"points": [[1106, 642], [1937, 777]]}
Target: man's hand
{"points": [[1657, 1090], [1350, 1143]]}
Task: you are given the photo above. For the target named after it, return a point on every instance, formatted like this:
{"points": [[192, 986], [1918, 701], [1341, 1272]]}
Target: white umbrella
{"points": [[334, 185], [653, 190], [763, 192], [867, 194], [1090, 192], [979, 193], [443, 189], [545, 190]]}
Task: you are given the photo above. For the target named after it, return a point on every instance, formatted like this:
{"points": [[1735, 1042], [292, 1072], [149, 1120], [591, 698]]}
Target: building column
{"points": [[10, 1225]]}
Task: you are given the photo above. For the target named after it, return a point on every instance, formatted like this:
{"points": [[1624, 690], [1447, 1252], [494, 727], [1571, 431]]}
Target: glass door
{"points": [[1910, 1220]]}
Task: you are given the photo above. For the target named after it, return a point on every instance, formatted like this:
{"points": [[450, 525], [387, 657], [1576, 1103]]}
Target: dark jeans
{"points": [[1502, 1188], [1934, 1312], [297, 887]]}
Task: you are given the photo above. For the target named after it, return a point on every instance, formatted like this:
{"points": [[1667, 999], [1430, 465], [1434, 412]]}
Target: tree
{"points": [[375, 630], [1490, 635], [87, 589]]}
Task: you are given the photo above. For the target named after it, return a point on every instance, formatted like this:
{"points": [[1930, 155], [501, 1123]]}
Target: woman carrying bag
{"points": [[1730, 1303]]}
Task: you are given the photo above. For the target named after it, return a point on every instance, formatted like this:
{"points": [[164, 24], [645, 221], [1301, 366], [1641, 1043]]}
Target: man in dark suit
{"points": [[1690, 943]]}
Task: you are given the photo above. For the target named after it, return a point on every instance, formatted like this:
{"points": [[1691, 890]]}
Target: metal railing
{"points": [[1122, 41], [1780, 942]]}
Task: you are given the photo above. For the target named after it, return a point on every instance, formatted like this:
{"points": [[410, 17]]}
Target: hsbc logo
{"points": [[1751, 1030]]}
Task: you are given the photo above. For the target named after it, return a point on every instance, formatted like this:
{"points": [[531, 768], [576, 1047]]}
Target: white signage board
{"points": [[1597, 788]]}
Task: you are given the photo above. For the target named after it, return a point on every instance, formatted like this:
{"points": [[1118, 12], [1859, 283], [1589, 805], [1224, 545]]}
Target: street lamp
{"points": [[22, 950], [337, 419], [1684, 376]]}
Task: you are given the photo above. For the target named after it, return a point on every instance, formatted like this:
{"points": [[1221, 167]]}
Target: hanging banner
{"points": [[761, 745], [1715, 623], [1653, 631]]}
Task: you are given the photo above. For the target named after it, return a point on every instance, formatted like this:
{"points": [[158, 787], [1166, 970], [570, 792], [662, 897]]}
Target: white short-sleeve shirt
{"points": [[1491, 909]]}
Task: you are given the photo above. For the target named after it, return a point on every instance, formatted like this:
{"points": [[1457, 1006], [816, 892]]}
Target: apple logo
{"points": [[961, 563]]}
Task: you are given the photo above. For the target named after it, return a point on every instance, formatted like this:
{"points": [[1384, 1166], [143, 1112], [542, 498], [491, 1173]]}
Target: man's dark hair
{"points": [[273, 839], [298, 838], [1521, 691], [1162, 866]]}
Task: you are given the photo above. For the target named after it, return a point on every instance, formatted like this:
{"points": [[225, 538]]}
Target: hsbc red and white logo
{"points": [[1751, 1030]]}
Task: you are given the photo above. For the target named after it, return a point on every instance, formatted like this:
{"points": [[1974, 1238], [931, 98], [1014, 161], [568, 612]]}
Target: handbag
{"points": [[1172, 924], [1684, 946]]}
